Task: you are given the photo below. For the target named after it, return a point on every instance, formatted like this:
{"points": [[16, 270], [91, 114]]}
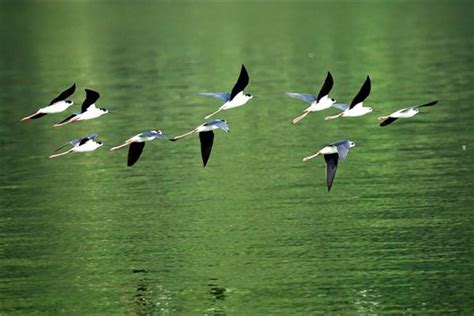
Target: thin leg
{"points": [[120, 146], [311, 157], [327, 118], [61, 154], [299, 118], [212, 114], [184, 135]]}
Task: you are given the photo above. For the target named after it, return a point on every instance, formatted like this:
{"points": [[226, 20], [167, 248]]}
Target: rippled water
{"points": [[255, 232]]}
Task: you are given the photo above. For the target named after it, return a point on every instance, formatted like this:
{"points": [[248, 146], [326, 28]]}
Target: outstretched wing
{"points": [[91, 97], [426, 104], [225, 96], [362, 94], [388, 120], [207, 139], [331, 168], [73, 142], [241, 83], [342, 148], [326, 88], [222, 125], [64, 95], [134, 152], [308, 98], [340, 106]]}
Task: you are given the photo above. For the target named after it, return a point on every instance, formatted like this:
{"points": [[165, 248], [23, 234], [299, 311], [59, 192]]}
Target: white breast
{"points": [[91, 113], [324, 103], [403, 113], [328, 150], [239, 100]]}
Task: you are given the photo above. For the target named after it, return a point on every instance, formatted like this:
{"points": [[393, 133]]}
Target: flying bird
{"points": [[206, 136], [403, 113], [137, 143], [57, 105], [356, 108], [80, 145], [318, 103], [236, 97], [88, 109], [332, 153]]}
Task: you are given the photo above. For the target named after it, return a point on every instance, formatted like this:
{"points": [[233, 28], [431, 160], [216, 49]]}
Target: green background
{"points": [[255, 232]]}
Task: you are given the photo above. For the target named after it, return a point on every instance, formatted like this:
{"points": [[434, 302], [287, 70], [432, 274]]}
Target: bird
{"points": [[356, 108], [403, 113], [206, 136], [332, 153], [236, 97], [137, 143], [319, 103], [80, 145], [57, 105], [88, 109]]}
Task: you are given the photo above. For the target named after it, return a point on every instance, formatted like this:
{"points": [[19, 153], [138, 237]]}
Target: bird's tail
{"points": [[184, 135], [61, 154], [327, 118], [299, 118], [381, 118], [312, 156], [212, 114]]}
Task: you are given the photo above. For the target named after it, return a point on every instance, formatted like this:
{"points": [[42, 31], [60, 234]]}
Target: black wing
{"points": [[207, 139], [84, 140], [91, 97], [326, 88], [331, 167], [388, 120], [36, 116], [362, 94], [426, 104], [67, 118], [241, 83], [64, 95], [134, 152]]}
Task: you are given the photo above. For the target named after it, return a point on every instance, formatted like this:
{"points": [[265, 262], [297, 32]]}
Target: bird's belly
{"points": [[234, 103], [328, 150], [88, 115], [55, 108], [354, 113], [318, 106], [87, 147], [403, 115]]}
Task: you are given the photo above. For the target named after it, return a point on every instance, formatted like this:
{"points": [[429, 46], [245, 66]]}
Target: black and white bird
{"points": [[316, 103], [236, 97], [57, 105], [206, 136], [80, 145], [356, 108], [88, 109], [332, 153], [137, 143], [403, 113]]}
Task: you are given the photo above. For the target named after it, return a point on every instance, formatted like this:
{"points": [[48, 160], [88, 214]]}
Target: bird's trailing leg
{"points": [[67, 122], [312, 156], [120, 146], [327, 118], [184, 135], [61, 154], [299, 118], [213, 113], [33, 116]]}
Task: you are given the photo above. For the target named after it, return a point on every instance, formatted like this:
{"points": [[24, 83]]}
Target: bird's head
{"points": [[104, 110], [69, 102], [100, 144], [248, 96], [370, 109], [416, 110], [351, 144]]}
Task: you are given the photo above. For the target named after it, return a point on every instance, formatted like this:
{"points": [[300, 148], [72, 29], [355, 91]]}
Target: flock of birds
{"points": [[236, 98]]}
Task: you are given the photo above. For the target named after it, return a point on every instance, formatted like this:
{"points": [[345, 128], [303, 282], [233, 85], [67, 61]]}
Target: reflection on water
{"points": [[255, 232]]}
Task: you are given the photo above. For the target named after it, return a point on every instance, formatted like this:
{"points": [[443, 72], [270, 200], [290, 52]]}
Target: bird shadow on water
{"points": [[218, 294]]}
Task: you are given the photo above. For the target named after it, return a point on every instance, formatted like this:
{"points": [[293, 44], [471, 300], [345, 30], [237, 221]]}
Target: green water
{"points": [[255, 232]]}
